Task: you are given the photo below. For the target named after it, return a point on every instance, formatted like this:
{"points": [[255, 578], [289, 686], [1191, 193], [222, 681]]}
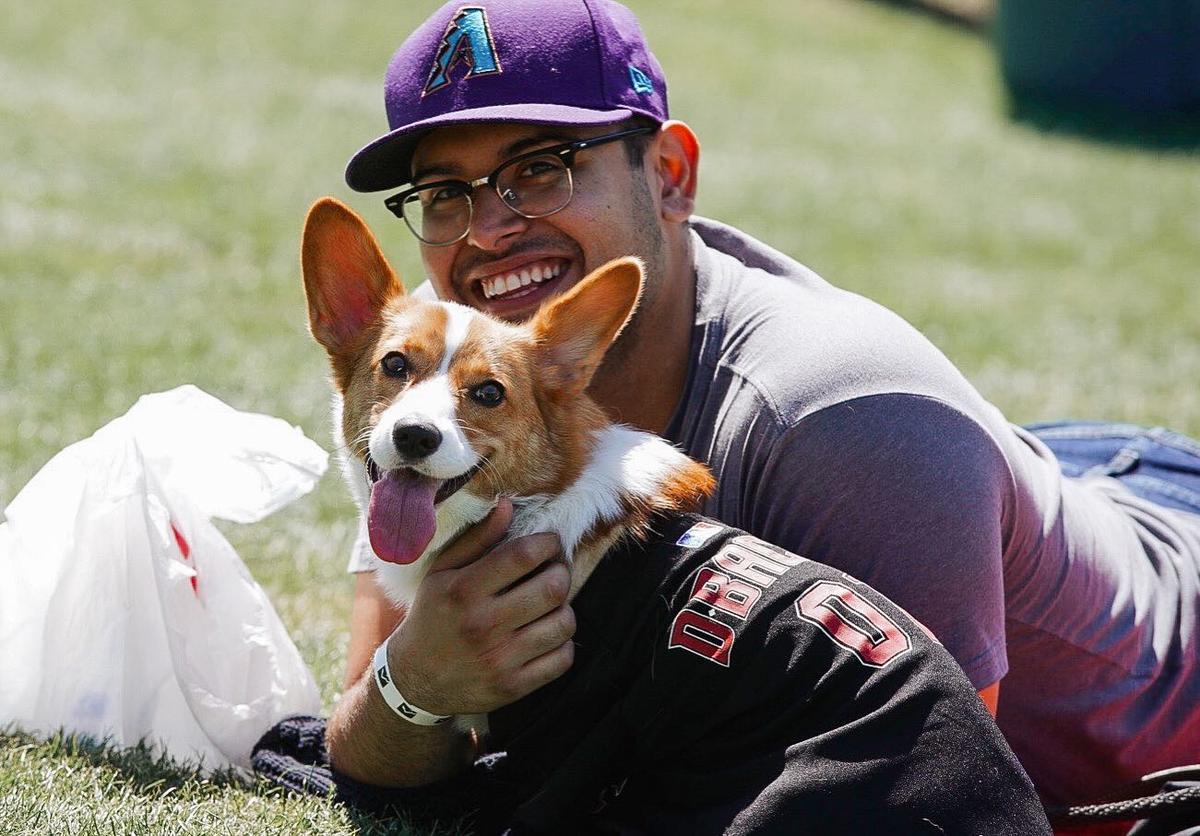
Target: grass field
{"points": [[157, 158]]}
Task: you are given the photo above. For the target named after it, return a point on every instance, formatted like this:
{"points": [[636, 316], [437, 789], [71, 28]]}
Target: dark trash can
{"points": [[1136, 55]]}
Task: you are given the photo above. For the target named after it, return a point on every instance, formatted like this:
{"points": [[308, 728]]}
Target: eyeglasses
{"points": [[533, 185]]}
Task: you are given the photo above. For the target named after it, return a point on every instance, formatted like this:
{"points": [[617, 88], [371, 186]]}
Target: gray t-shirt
{"points": [[839, 432]]}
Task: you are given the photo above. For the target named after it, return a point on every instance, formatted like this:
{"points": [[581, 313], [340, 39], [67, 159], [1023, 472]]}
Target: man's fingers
{"points": [[506, 665], [534, 597], [545, 668], [476, 540], [548, 633], [510, 562]]}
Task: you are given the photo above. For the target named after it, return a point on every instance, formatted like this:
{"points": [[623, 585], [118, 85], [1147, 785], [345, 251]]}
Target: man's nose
{"points": [[493, 222]]}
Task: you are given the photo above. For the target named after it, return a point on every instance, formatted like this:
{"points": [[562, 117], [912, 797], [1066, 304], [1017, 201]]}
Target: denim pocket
{"points": [[1154, 463]]}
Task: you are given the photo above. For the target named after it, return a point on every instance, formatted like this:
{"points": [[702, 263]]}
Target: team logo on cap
{"points": [[467, 40]]}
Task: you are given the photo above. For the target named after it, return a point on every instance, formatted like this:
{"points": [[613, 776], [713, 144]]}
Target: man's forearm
{"points": [[488, 625], [368, 742]]}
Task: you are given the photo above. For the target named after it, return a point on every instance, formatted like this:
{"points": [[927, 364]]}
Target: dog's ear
{"points": [[346, 278], [574, 330]]}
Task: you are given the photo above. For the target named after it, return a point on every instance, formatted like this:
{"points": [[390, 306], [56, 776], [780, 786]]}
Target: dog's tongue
{"points": [[400, 518]]}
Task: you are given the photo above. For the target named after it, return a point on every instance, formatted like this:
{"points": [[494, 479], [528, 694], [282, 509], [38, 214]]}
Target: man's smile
{"points": [[510, 281], [513, 288]]}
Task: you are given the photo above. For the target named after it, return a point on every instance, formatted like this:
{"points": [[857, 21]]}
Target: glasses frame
{"points": [[565, 152]]}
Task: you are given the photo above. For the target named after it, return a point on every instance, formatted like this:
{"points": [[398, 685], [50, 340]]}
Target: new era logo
{"points": [[641, 82]]}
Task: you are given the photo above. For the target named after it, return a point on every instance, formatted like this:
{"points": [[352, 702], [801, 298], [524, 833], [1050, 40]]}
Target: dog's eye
{"points": [[488, 393], [394, 365]]}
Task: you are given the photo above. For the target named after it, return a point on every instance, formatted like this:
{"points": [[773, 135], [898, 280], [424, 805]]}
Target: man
{"points": [[834, 429]]}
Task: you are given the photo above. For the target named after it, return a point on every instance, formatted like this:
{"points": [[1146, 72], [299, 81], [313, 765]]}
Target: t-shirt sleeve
{"points": [[425, 292], [907, 494], [362, 557]]}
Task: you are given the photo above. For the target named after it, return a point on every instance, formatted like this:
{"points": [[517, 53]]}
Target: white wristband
{"points": [[392, 696]]}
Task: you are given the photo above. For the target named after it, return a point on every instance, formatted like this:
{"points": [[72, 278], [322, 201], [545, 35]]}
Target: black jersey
{"points": [[723, 685]]}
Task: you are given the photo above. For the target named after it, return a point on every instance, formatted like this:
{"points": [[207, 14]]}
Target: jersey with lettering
{"points": [[723, 685]]}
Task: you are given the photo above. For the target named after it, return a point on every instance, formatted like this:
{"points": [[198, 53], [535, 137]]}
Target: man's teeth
{"points": [[508, 282]]}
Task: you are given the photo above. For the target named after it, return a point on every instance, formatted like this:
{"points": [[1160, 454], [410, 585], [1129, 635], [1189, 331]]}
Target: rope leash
{"points": [[1170, 793], [1174, 801]]}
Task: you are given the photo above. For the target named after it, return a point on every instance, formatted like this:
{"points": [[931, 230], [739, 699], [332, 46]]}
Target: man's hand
{"points": [[489, 623]]}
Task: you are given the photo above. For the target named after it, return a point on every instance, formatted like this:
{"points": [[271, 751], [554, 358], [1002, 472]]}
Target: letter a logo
{"points": [[468, 40]]}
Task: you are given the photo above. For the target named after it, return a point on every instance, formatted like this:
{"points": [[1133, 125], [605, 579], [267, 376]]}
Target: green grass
{"points": [[157, 158], [77, 787]]}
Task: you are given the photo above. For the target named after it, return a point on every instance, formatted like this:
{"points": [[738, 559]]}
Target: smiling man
{"points": [[530, 142], [486, 250]]}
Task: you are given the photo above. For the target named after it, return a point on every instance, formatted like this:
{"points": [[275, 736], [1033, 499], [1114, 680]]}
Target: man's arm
{"points": [[909, 495], [433, 752], [373, 617], [368, 742], [488, 625]]}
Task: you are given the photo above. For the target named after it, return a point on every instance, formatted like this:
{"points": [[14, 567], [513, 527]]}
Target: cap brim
{"points": [[385, 163]]}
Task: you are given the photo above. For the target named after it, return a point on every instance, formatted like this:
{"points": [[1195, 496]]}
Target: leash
{"points": [[1167, 804]]}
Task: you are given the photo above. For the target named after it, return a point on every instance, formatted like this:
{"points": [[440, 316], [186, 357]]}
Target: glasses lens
{"points": [[535, 186], [438, 215]]}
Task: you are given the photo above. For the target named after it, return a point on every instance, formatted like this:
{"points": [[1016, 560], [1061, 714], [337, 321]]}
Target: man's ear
{"points": [[678, 161], [574, 330], [346, 278]]}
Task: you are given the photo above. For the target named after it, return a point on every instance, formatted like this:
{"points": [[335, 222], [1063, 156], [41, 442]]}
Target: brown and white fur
{"points": [[546, 444]]}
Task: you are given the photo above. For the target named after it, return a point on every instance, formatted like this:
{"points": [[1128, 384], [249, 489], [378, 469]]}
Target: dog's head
{"points": [[445, 407]]}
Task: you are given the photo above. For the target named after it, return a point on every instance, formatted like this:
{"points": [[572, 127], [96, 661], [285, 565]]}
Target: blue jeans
{"points": [[1156, 464]]}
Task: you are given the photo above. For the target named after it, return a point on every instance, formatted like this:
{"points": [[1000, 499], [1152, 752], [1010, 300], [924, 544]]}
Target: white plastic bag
{"points": [[124, 613]]}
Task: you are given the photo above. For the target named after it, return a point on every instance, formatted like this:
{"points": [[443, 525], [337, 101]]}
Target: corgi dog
{"points": [[439, 410]]}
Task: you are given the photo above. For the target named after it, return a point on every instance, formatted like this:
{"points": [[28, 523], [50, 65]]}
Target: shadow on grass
{"points": [[154, 775], [368, 825], [1172, 131], [968, 15], [146, 771]]}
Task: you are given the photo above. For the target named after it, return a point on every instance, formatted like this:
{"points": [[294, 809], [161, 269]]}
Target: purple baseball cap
{"points": [[552, 62]]}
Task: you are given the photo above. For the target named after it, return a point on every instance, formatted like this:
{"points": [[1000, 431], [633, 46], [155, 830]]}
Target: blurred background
{"points": [[157, 158]]}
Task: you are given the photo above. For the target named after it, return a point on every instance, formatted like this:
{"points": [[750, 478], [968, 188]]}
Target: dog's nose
{"points": [[416, 441]]}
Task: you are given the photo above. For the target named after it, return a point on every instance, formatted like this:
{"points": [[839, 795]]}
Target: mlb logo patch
{"points": [[698, 535]]}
